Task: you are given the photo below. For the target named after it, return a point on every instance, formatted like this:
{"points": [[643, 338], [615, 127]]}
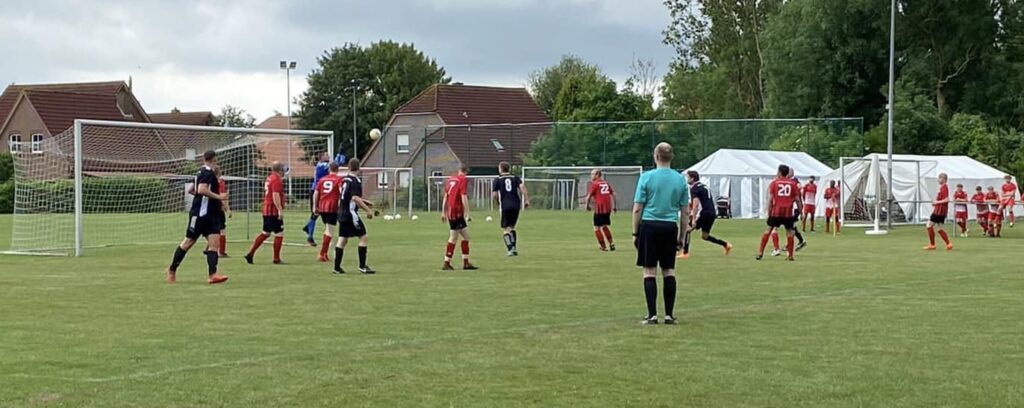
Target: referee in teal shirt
{"points": [[660, 217]]}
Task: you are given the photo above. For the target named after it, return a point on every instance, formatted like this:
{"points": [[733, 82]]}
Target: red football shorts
{"points": [[808, 209], [961, 215], [829, 212]]}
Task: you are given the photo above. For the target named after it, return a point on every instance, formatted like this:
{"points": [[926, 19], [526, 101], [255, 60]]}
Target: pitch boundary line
{"points": [[413, 341]]}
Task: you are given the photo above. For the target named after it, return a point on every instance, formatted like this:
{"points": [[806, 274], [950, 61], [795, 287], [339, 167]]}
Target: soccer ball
{"points": [[374, 134], [398, 216], [388, 218], [415, 217], [488, 219]]}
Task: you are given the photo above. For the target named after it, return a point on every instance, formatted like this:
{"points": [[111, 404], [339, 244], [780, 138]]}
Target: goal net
{"points": [[105, 183], [564, 188], [389, 188], [478, 189], [865, 190]]}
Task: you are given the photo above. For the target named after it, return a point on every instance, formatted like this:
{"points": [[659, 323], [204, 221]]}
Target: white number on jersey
{"points": [[785, 190], [451, 185], [605, 189], [328, 186], [508, 185]]}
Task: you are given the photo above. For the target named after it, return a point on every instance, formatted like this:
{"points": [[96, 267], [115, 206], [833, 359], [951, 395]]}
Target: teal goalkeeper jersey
{"points": [[662, 192]]}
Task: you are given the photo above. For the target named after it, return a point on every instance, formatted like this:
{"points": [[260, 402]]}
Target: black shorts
{"points": [[509, 218], [776, 222], [657, 243], [204, 226], [705, 222], [329, 218], [273, 224], [601, 220], [223, 222], [456, 224], [351, 226], [937, 219]]}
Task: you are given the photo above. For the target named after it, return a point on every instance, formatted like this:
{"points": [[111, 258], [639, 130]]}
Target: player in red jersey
{"points": [[273, 213], [604, 204], [227, 214], [783, 192], [1009, 196], [456, 214], [978, 199], [810, 194], [831, 197], [940, 208], [960, 209], [995, 213], [326, 194]]}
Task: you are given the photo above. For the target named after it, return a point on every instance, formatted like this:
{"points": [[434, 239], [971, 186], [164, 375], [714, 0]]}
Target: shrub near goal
{"points": [[118, 183]]}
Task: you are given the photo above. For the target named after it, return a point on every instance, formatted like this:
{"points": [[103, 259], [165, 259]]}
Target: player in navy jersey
{"points": [[350, 224], [205, 218], [322, 169], [512, 196], [702, 212]]}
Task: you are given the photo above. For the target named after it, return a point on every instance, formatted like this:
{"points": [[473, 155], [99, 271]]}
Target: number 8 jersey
{"points": [[784, 193], [507, 187]]}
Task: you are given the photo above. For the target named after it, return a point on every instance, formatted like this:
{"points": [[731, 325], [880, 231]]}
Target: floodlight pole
{"points": [[288, 67], [892, 110]]}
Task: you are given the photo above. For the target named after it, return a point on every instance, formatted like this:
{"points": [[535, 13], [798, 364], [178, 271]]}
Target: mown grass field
{"points": [[857, 321]]}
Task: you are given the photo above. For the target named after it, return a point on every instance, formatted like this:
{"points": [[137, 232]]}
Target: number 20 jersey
{"points": [[784, 193]]}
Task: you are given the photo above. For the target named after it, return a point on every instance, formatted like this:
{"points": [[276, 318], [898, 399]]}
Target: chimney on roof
{"points": [[175, 110], [129, 83], [457, 84]]}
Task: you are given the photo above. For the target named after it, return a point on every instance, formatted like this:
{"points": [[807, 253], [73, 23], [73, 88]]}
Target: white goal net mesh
{"points": [[564, 188], [135, 179]]}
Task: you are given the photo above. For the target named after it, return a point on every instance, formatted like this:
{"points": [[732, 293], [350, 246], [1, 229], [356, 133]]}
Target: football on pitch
{"points": [[374, 134], [398, 216], [415, 217], [489, 219]]}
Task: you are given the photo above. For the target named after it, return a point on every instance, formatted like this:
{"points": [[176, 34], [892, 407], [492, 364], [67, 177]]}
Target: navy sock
{"points": [[651, 291], [310, 226]]}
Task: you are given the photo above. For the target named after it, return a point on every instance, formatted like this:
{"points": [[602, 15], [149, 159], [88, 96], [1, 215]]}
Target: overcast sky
{"points": [[201, 55]]}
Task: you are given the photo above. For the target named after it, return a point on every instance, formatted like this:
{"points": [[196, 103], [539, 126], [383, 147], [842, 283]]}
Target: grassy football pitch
{"points": [[856, 321]]}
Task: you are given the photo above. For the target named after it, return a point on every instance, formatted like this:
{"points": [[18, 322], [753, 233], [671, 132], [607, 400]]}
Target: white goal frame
{"points": [[396, 171], [638, 169], [78, 176], [875, 221]]}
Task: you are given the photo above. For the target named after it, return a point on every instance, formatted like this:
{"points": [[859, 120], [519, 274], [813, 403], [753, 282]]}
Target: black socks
{"points": [[717, 241], [651, 291], [670, 294], [179, 255], [362, 257], [338, 254], [507, 237], [211, 261]]}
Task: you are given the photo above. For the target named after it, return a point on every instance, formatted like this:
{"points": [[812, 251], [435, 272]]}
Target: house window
{"points": [[403, 179], [14, 143], [382, 180], [402, 143], [37, 143], [497, 145], [436, 174]]}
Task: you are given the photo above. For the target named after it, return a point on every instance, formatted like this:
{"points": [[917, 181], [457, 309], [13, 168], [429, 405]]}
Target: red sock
{"points": [[325, 245], [600, 238], [775, 240], [789, 245], [931, 236], [607, 233], [945, 238], [223, 244], [278, 242], [764, 242], [963, 226], [449, 252], [465, 252], [256, 243]]}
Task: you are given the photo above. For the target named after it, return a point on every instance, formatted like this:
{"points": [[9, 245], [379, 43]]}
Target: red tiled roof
{"points": [[468, 104], [275, 147], [59, 109], [10, 95], [278, 122], [204, 118], [479, 146]]}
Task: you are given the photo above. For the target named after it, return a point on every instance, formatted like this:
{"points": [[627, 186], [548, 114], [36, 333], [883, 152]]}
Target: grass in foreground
{"points": [[856, 321]]}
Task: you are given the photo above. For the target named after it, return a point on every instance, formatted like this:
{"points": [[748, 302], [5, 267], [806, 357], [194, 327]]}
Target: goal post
{"points": [[564, 187], [865, 190], [110, 183], [389, 188]]}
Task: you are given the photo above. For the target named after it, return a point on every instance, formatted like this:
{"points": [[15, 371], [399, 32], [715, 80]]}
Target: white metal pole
{"points": [[78, 188], [892, 110], [355, 142], [288, 87]]}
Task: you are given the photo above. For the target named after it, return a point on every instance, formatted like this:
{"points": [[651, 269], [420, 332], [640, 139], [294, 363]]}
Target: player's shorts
{"points": [[509, 218], [457, 224], [809, 209], [704, 222], [657, 244], [223, 221], [776, 222], [829, 212], [329, 218], [204, 226], [995, 216], [273, 224], [601, 220], [350, 226], [961, 215], [982, 217], [937, 219]]}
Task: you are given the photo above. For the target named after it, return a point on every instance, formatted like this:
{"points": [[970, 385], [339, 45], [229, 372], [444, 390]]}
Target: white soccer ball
{"points": [[374, 134], [489, 218], [398, 216], [388, 218], [415, 217]]}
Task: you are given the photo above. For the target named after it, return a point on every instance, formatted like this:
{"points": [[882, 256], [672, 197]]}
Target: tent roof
{"points": [[765, 163], [957, 167]]}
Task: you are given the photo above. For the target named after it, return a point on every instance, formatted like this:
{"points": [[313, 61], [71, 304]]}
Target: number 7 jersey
{"points": [[784, 193]]}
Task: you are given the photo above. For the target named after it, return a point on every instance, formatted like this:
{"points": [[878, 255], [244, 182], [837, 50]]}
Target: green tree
{"points": [[546, 84], [233, 116], [918, 128], [382, 76], [6, 183]]}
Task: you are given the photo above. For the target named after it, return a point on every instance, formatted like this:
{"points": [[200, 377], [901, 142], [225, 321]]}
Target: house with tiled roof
{"points": [[177, 117], [30, 114], [447, 125]]}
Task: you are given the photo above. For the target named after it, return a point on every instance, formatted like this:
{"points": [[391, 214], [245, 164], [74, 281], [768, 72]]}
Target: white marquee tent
{"points": [[743, 176], [912, 194]]}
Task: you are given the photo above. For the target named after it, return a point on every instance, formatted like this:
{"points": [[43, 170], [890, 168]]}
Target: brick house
{"points": [[447, 125], [177, 117]]}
